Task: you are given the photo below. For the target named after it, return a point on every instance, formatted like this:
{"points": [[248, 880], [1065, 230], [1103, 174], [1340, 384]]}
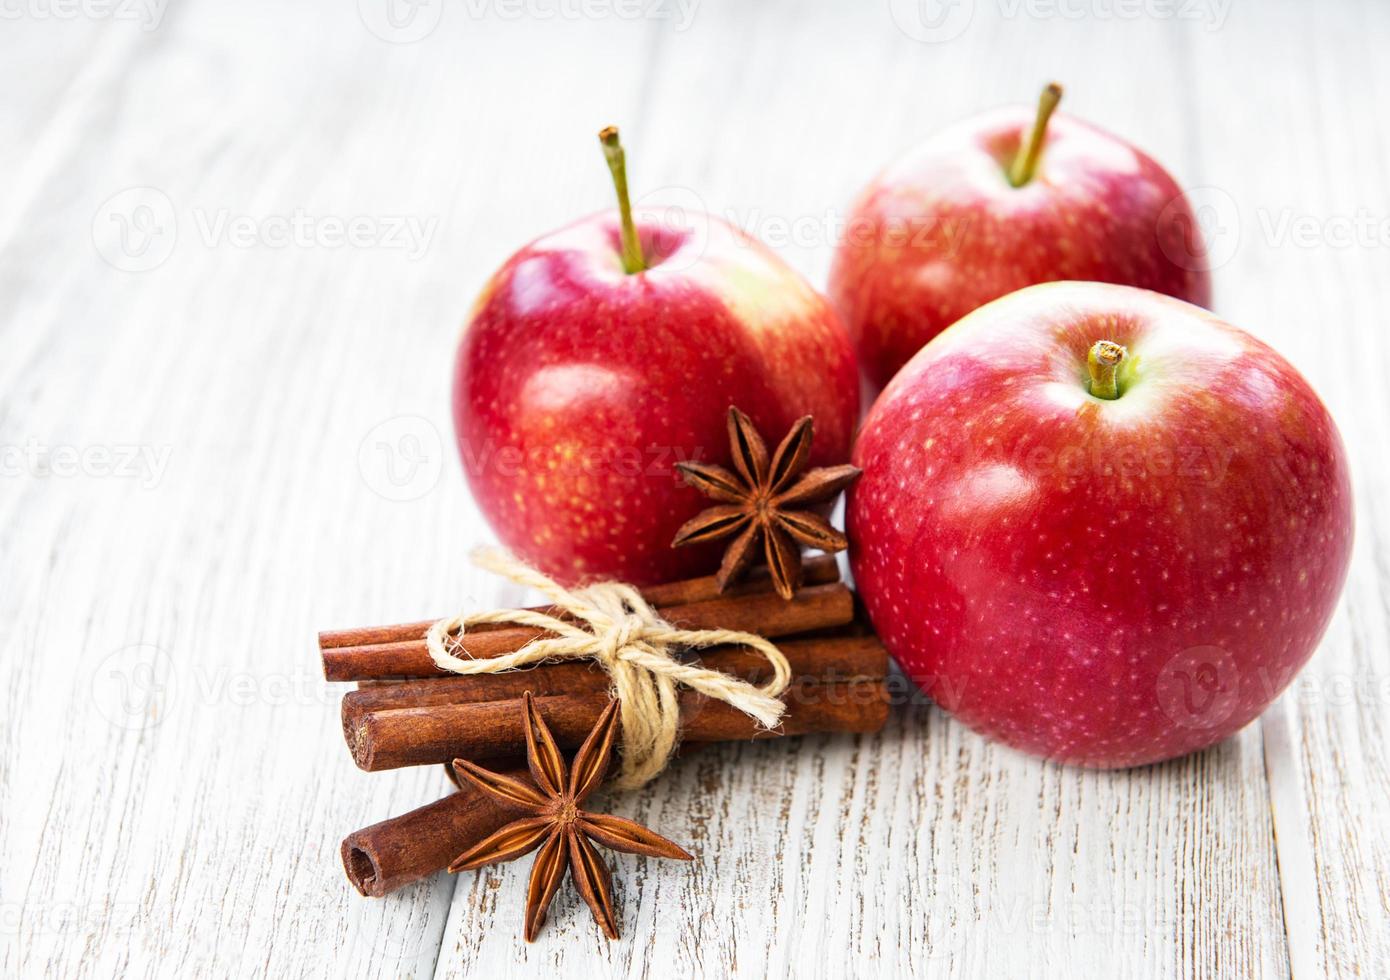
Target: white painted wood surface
{"points": [[172, 783]]}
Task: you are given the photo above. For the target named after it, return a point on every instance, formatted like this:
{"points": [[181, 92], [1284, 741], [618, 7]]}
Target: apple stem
{"points": [[1027, 159], [633, 261], [1104, 364]]}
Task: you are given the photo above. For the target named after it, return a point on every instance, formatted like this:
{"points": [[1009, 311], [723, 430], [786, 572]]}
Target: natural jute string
{"points": [[617, 628]]}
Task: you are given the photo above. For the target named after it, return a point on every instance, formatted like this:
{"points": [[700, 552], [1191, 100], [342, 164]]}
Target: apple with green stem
{"points": [[1099, 524], [601, 355], [998, 202]]}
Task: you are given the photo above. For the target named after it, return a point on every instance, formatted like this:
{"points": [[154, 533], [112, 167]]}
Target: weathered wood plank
{"points": [[1304, 215]]}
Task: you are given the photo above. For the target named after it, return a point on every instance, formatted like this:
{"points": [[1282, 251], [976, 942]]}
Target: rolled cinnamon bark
{"points": [[820, 570], [836, 657], [766, 614], [393, 853], [482, 731]]}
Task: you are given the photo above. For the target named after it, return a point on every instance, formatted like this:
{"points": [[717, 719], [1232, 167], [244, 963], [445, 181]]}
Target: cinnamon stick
{"points": [[836, 657], [765, 613], [395, 852], [481, 731], [820, 570]]}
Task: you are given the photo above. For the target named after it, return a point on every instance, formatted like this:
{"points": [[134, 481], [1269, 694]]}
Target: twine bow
{"points": [[614, 626]]}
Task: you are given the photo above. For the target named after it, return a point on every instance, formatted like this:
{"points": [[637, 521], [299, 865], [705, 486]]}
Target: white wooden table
{"points": [[228, 429]]}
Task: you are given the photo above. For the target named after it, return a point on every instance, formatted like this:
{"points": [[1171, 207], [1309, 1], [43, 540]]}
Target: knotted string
{"points": [[618, 629]]}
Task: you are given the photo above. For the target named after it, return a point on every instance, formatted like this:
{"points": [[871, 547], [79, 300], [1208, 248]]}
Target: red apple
{"points": [[1106, 564], [601, 355], [994, 204]]}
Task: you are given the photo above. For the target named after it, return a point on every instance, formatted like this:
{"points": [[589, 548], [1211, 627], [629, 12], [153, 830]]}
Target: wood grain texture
{"points": [[173, 785], [1314, 294]]}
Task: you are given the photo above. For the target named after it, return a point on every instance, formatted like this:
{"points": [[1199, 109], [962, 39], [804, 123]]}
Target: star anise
{"points": [[765, 500], [554, 822]]}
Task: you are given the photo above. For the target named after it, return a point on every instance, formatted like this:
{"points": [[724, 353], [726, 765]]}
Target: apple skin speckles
{"points": [[942, 231], [1107, 583], [577, 388]]}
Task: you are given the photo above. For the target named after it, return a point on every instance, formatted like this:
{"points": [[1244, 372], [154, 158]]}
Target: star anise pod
{"points": [[766, 500], [553, 821]]}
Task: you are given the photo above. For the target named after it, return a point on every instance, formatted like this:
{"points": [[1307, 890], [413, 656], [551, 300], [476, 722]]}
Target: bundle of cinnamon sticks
{"points": [[406, 711]]}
